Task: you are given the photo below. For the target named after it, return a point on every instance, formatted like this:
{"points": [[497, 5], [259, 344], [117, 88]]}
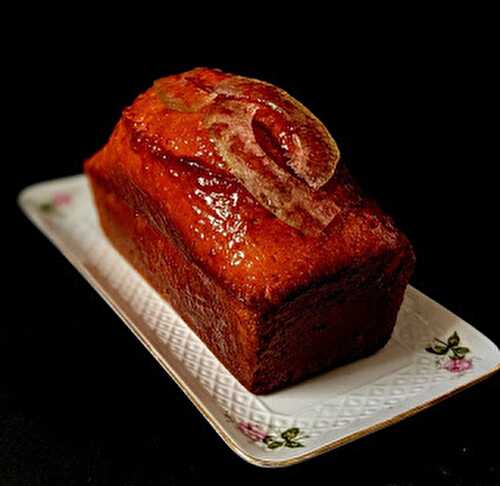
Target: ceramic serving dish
{"points": [[432, 354]]}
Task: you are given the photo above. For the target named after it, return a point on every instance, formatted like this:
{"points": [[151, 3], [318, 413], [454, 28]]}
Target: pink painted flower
{"points": [[61, 199], [252, 431], [458, 365]]}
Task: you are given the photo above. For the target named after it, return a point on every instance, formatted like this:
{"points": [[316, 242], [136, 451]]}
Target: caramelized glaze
{"points": [[170, 156]]}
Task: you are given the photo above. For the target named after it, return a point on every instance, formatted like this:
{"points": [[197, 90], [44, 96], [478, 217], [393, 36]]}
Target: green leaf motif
{"points": [[290, 433], [46, 207], [274, 444], [293, 444], [437, 349], [290, 438], [453, 340], [461, 351], [450, 348]]}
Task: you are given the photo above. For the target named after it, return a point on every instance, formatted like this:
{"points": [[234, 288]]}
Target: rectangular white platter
{"points": [[301, 421]]}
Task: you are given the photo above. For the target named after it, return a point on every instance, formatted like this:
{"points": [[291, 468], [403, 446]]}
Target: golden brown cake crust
{"points": [[250, 285]]}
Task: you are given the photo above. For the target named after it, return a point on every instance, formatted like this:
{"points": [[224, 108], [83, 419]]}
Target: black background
{"points": [[413, 109]]}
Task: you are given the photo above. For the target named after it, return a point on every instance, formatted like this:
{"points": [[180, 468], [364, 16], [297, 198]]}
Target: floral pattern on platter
{"points": [[291, 437], [453, 356], [57, 201]]}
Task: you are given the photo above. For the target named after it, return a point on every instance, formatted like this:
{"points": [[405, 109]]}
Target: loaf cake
{"points": [[232, 201]]}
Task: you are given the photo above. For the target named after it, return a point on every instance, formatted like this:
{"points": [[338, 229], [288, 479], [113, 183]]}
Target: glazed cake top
{"points": [[169, 156]]}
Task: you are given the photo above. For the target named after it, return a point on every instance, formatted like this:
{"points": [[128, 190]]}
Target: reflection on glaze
{"points": [[215, 198], [215, 204]]}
